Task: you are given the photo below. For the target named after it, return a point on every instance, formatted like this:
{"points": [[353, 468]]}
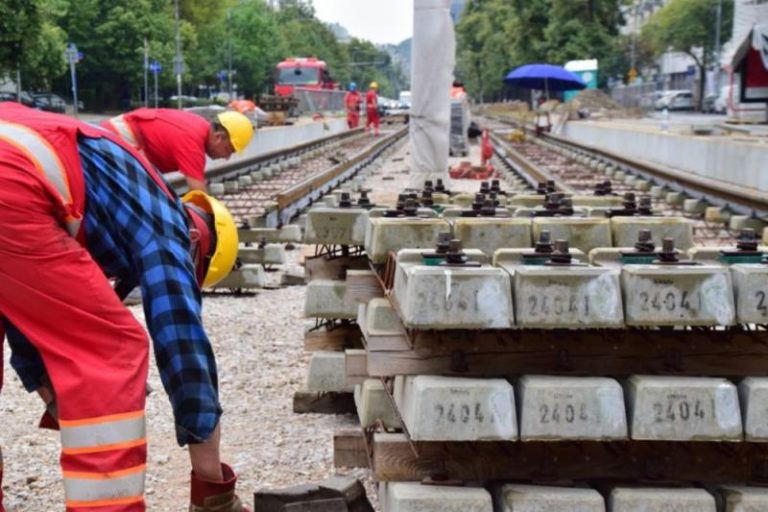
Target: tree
{"points": [[257, 46], [688, 26]]}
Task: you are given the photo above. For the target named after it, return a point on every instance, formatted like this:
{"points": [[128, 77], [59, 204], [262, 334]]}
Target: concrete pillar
{"points": [[432, 63]]}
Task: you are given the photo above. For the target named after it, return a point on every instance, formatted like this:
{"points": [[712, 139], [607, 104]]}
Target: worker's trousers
{"points": [[94, 350], [353, 119], [372, 119]]}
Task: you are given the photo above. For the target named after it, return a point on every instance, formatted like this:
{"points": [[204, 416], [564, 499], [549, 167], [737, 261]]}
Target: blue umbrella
{"points": [[546, 77]]}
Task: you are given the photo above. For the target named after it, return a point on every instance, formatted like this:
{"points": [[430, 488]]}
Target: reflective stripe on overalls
{"points": [[124, 130], [93, 435], [47, 162]]}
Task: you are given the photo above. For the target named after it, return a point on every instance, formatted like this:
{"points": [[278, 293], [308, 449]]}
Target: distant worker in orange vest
{"points": [[80, 205], [372, 108], [352, 102], [175, 140]]}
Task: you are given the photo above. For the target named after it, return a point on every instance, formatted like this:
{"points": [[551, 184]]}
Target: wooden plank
{"points": [[363, 285], [349, 449], [337, 339], [617, 353], [330, 402], [322, 267], [595, 462]]}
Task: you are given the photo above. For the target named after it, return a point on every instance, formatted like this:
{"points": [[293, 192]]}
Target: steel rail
{"points": [[526, 169], [237, 167], [303, 193]]}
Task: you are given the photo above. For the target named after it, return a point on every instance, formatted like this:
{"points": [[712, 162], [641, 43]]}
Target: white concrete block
{"points": [[753, 396], [737, 498], [739, 222], [327, 298], [624, 230], [750, 285], [567, 297], [373, 405], [685, 295], [392, 234], [509, 259], [658, 192], [525, 201], [674, 198], [683, 409], [540, 498], [582, 233], [290, 233], [256, 235], [216, 189], [244, 181], [560, 408], [270, 254], [327, 372], [231, 186], [456, 409], [597, 201], [694, 205], [444, 297], [245, 277], [660, 500], [414, 497], [336, 226], [490, 233], [717, 214], [381, 318]]}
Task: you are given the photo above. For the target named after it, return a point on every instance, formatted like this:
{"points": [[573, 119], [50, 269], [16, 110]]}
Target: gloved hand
{"points": [[208, 496]]}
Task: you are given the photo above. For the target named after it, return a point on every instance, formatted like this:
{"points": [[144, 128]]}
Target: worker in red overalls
{"points": [[175, 140], [372, 108], [78, 204], [352, 104]]}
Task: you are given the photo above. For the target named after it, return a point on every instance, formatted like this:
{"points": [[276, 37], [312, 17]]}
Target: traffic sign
{"points": [[178, 65], [71, 54], [155, 67]]}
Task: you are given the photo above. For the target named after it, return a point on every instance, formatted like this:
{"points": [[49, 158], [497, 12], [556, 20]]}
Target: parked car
{"points": [[26, 99], [50, 102], [675, 100], [713, 105]]}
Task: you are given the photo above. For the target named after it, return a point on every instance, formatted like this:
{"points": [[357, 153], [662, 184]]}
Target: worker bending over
{"points": [[372, 108], [78, 204], [352, 102], [175, 140]]}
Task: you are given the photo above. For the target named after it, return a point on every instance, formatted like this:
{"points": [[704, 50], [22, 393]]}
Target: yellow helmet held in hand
{"points": [[238, 127], [374, 85], [214, 240]]}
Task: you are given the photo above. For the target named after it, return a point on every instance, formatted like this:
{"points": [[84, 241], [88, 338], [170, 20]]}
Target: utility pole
{"points": [[229, 53], [146, 73], [178, 61], [718, 22]]}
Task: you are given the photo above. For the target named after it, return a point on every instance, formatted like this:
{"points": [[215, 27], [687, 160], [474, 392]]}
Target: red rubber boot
{"points": [[207, 496]]}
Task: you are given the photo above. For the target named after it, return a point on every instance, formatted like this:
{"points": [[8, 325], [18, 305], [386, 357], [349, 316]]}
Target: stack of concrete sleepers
{"points": [[336, 232], [538, 382]]}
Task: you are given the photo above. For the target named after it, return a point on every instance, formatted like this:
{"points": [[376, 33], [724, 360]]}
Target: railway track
{"points": [[269, 190], [577, 169]]}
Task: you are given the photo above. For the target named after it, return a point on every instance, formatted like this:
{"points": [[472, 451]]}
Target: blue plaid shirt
{"points": [[139, 235]]}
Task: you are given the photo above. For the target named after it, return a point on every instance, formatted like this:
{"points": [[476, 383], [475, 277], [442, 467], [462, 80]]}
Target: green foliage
{"points": [[688, 26], [112, 33], [496, 36]]}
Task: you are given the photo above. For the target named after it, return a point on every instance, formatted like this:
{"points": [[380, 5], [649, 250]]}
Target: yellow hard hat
{"points": [[214, 223], [238, 127], [374, 85]]}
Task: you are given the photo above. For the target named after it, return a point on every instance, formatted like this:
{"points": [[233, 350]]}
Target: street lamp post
{"points": [[178, 61], [146, 73], [718, 18]]}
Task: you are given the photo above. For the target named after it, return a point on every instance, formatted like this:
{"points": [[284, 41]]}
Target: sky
{"points": [[379, 21]]}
